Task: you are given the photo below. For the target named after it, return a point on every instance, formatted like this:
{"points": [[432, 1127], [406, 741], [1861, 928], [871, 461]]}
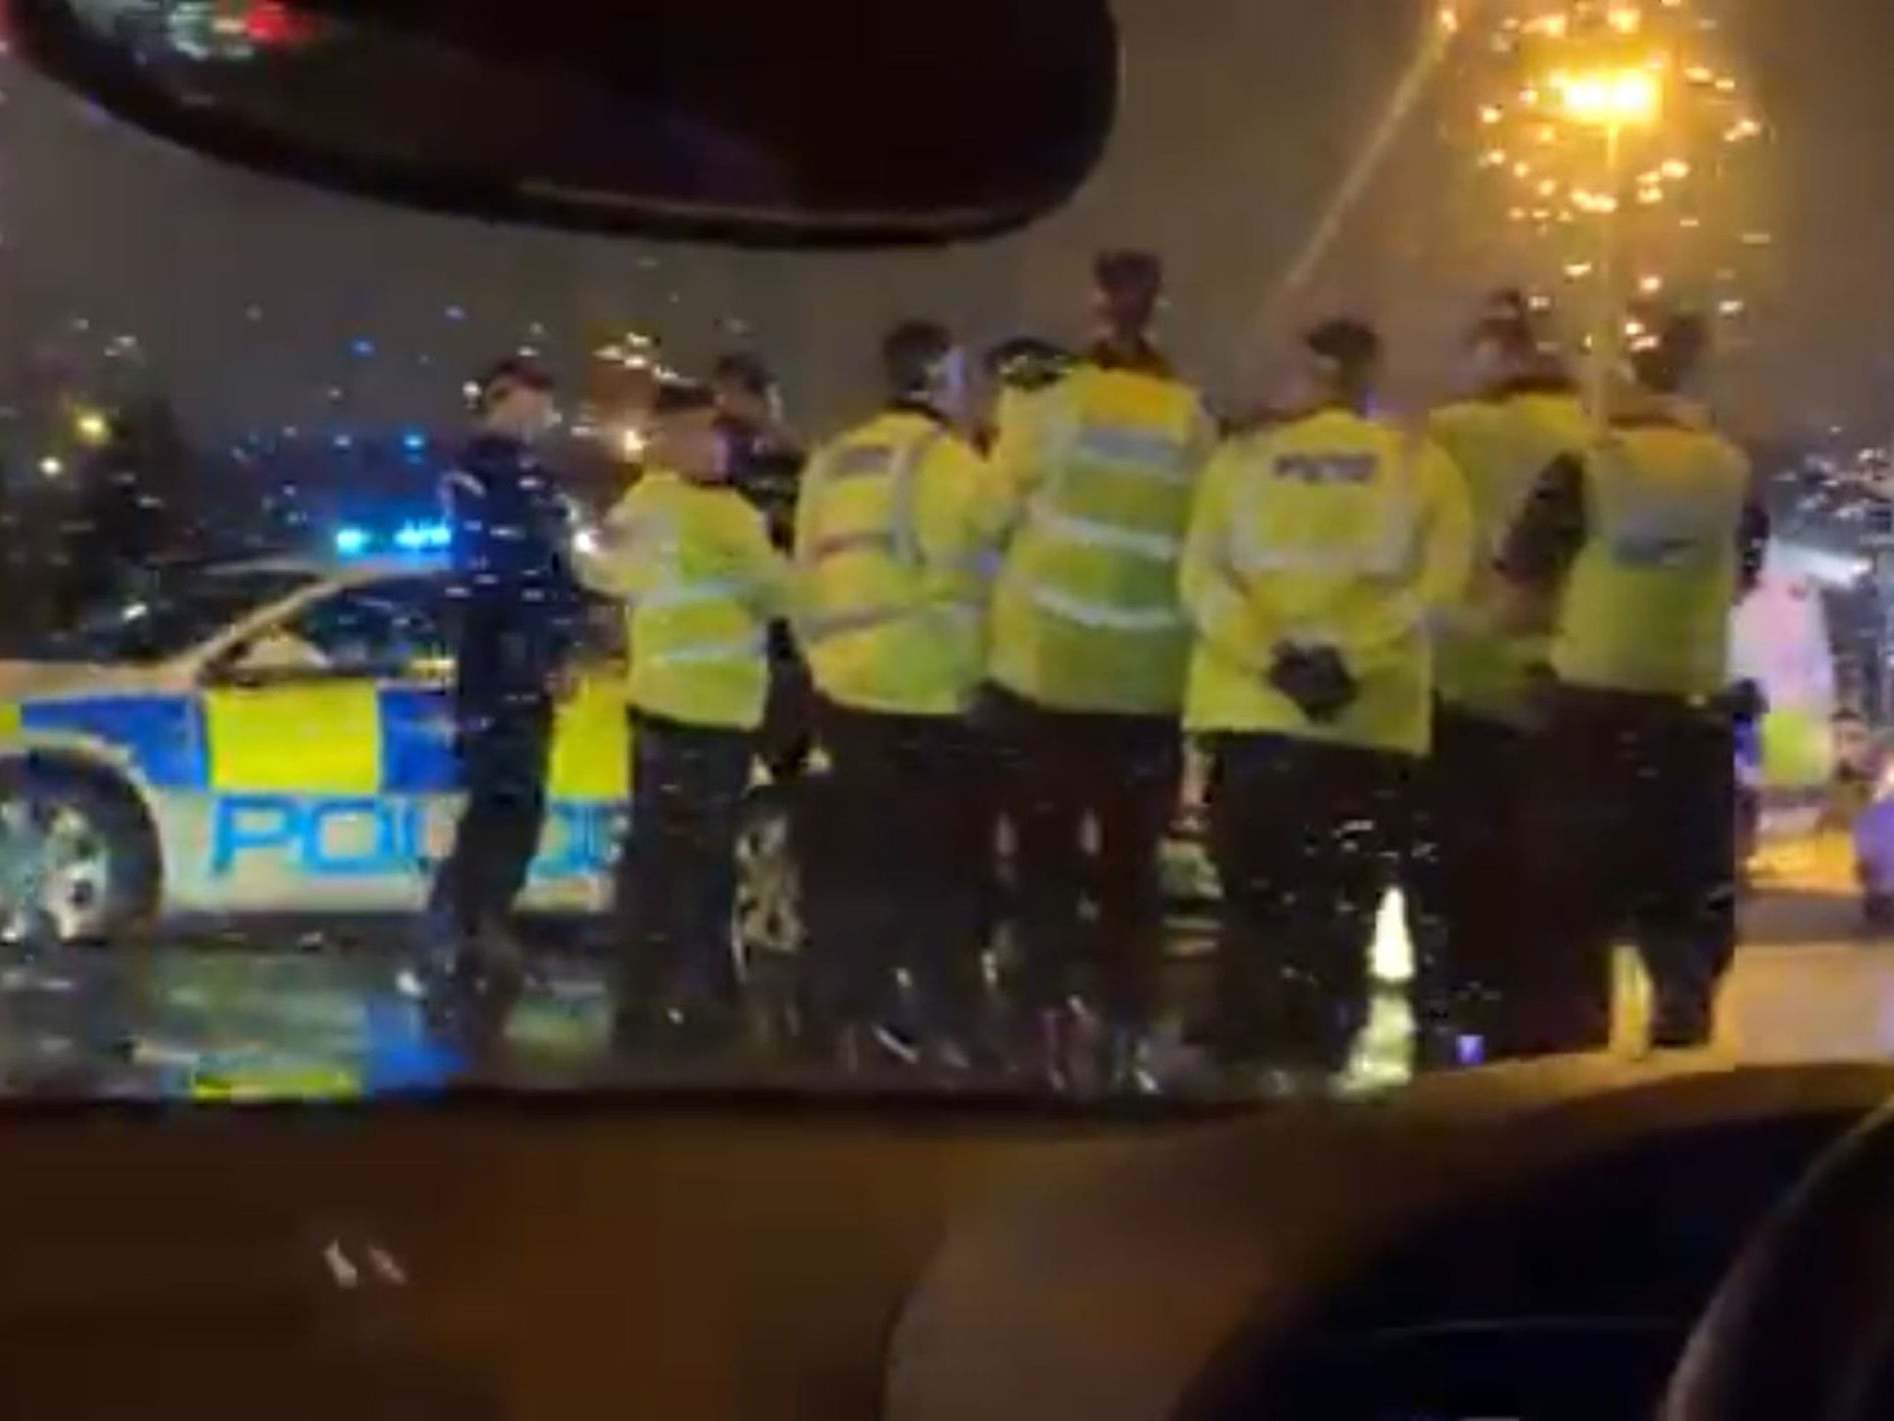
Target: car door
{"points": [[330, 743], [332, 761]]}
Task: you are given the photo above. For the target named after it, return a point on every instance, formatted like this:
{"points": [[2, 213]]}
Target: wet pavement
{"points": [[280, 1014], [213, 1019]]}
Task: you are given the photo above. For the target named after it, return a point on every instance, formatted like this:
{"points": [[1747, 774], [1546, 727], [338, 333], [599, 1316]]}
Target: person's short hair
{"points": [[682, 397], [1352, 347], [910, 350], [515, 372], [1129, 271], [1670, 352], [745, 370]]}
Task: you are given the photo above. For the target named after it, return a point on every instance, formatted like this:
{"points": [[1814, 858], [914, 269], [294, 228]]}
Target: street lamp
{"points": [[91, 427], [1610, 100]]}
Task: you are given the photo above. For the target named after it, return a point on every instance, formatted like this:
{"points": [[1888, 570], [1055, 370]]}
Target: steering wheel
{"points": [[1803, 1326]]}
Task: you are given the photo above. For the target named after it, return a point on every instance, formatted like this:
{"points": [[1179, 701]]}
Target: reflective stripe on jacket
{"points": [[1333, 530], [1098, 473], [889, 591], [702, 583]]}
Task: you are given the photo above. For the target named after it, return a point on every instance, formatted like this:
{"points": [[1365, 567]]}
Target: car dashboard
{"points": [[1527, 1242]]}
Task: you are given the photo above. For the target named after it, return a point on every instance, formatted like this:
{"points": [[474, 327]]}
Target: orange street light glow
{"points": [[1620, 98]]}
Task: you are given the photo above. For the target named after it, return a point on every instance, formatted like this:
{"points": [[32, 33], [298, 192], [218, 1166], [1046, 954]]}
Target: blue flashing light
{"points": [[351, 542], [422, 537], [414, 441]]}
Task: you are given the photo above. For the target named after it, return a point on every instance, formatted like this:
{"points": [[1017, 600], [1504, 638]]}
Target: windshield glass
{"points": [[161, 615], [1393, 576]]}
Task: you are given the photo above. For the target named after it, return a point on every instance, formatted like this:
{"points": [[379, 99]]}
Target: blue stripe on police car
{"points": [[162, 734]]}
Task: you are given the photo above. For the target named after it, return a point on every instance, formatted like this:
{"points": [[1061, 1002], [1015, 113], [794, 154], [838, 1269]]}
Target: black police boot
{"points": [[1681, 1021]]}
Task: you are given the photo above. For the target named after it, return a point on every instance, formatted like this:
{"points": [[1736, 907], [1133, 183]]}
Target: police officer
{"points": [[694, 563], [517, 614], [1470, 877], [1645, 543], [1319, 551], [890, 599], [766, 456], [1095, 474], [766, 461]]}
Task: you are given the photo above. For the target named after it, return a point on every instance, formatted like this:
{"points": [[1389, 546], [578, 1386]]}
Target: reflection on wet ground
{"points": [[216, 1021], [279, 1015]]}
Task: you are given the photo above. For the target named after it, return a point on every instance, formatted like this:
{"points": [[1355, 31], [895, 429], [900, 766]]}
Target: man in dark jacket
{"points": [[517, 615]]}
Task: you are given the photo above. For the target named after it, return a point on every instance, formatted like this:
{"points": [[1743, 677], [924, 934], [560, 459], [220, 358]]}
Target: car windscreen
{"points": [[1396, 574]]}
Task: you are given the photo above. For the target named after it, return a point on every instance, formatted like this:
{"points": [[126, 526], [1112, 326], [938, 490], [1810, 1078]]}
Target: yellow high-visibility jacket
{"points": [[1332, 530], [702, 583], [890, 591], [1646, 604], [1501, 445], [1094, 478]]}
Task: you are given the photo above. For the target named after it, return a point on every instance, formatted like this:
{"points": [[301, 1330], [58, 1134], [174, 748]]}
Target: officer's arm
{"points": [[764, 570], [606, 559], [1454, 429], [804, 533], [802, 541], [956, 561], [1542, 545], [1017, 464], [1224, 617]]}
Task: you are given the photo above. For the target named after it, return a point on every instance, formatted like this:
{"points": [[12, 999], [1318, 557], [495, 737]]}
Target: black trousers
{"points": [[1638, 827], [1474, 921], [504, 745], [1089, 799], [1307, 837], [896, 840], [677, 876]]}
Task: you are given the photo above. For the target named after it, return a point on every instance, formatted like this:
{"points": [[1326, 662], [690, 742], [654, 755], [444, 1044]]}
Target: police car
{"points": [[275, 737]]}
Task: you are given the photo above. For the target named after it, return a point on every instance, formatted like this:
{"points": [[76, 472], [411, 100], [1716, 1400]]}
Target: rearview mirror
{"points": [[831, 122]]}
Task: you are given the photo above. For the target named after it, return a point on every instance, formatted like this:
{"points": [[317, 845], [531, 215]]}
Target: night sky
{"points": [[253, 299]]}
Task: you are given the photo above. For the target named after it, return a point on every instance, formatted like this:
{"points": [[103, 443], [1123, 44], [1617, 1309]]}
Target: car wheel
{"points": [[769, 913], [77, 860]]}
